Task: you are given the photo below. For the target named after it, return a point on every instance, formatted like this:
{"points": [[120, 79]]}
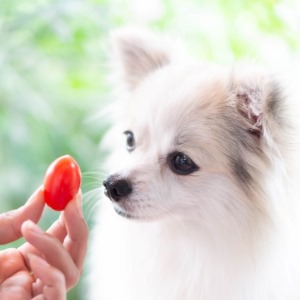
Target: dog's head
{"points": [[198, 139]]}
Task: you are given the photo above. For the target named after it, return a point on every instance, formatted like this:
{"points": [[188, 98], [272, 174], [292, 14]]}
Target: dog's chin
{"points": [[125, 214], [134, 216]]}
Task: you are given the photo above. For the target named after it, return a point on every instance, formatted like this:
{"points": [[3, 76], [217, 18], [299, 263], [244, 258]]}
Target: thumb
{"points": [[53, 283], [11, 222]]}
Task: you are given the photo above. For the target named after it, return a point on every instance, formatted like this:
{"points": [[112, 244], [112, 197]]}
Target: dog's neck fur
{"points": [[237, 242], [173, 259]]}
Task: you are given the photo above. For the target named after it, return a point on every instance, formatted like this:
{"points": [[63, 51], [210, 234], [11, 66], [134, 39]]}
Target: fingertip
{"points": [[78, 198], [33, 208], [37, 196], [11, 222], [74, 207], [29, 229], [24, 226]]}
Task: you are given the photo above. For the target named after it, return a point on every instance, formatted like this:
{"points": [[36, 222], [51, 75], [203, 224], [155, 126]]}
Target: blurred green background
{"points": [[54, 71]]}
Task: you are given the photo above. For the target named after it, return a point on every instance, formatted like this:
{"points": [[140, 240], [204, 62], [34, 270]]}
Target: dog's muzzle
{"points": [[117, 188]]}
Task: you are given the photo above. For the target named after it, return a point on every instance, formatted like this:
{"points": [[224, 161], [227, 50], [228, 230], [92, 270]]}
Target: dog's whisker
{"points": [[92, 185], [91, 201], [91, 211]]}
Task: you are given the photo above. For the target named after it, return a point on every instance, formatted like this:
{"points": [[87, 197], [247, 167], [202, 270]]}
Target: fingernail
{"points": [[78, 198], [80, 212], [79, 204]]}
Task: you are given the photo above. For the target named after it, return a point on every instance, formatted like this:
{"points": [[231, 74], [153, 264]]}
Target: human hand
{"points": [[50, 263], [17, 281], [11, 222]]}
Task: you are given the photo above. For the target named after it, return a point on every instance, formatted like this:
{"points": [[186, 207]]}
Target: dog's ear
{"points": [[137, 53], [256, 97]]}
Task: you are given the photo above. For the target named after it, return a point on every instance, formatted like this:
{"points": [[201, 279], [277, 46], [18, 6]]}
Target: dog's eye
{"points": [[181, 164], [130, 142]]}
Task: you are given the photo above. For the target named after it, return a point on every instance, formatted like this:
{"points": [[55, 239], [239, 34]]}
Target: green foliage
{"points": [[53, 80]]}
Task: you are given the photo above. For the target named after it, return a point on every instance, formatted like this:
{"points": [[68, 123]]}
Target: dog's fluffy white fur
{"points": [[228, 230]]}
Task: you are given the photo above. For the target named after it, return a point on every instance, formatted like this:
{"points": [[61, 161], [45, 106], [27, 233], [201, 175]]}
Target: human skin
{"points": [[49, 263]]}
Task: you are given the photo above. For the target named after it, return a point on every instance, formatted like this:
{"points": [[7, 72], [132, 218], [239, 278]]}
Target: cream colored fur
{"points": [[225, 232]]}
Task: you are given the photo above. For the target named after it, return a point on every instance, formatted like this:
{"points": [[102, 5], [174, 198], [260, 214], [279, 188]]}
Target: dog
{"points": [[199, 204]]}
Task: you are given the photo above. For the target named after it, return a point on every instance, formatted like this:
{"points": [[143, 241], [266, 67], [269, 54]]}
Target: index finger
{"points": [[77, 229], [11, 222]]}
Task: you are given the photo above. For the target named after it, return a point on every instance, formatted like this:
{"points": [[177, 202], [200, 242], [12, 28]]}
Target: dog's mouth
{"points": [[121, 211], [130, 216], [126, 214]]}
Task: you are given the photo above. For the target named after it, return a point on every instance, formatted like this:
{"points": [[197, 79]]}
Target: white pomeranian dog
{"points": [[200, 200]]}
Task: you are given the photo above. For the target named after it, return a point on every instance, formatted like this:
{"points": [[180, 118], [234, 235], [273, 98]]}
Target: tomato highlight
{"points": [[62, 182]]}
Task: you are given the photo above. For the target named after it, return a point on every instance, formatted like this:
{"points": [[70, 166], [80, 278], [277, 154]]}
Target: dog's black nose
{"points": [[116, 189]]}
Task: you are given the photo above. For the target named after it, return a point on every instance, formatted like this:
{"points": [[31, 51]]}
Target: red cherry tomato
{"points": [[62, 182]]}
